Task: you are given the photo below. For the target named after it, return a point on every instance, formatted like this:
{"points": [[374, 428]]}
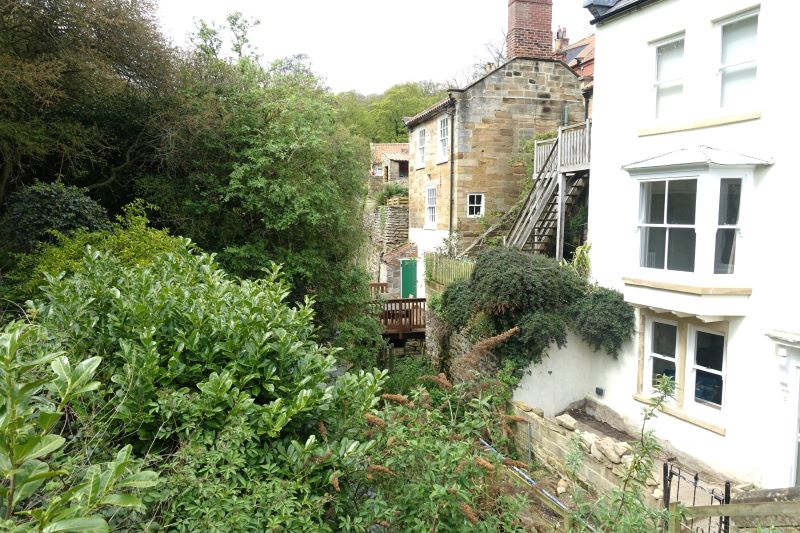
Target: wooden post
{"points": [[674, 518], [562, 185]]}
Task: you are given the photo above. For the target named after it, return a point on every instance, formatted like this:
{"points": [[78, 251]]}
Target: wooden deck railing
{"points": [[400, 316], [375, 289], [573, 149]]}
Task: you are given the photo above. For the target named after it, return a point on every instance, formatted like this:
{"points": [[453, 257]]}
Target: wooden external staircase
{"points": [[562, 172]]}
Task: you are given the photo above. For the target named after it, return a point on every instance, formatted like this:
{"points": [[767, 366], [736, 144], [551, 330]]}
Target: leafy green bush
{"points": [[458, 304], [604, 320], [129, 239], [510, 288], [427, 471], [406, 374], [361, 342], [390, 190], [40, 208], [220, 378], [40, 488]]}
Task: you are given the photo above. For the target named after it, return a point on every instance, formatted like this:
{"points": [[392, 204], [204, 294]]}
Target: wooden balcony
{"points": [[376, 289], [572, 152], [400, 317]]}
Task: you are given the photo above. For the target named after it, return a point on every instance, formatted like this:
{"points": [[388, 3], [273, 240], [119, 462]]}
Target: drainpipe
{"points": [[451, 111]]}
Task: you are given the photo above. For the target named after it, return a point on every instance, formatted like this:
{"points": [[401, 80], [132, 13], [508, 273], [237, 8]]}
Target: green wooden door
{"points": [[408, 280]]}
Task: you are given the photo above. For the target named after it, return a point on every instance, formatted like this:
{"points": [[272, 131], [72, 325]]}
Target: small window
{"points": [[377, 169], [669, 79], [709, 360], [444, 136], [430, 206], [667, 218], [421, 148], [662, 351], [475, 205], [738, 62]]}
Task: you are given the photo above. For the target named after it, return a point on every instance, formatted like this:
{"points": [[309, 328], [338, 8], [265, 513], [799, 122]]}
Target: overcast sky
{"points": [[370, 45]]}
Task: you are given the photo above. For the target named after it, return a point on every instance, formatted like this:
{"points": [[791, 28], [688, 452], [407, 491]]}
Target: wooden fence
{"points": [[444, 270], [761, 513]]}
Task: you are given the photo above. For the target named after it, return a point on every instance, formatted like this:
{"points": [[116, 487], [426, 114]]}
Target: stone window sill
{"points": [[688, 289], [683, 415], [699, 124]]}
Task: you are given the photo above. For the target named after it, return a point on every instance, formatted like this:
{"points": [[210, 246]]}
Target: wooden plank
{"points": [[674, 520], [735, 510]]}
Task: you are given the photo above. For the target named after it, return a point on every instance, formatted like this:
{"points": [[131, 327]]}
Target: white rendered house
{"points": [[693, 213]]}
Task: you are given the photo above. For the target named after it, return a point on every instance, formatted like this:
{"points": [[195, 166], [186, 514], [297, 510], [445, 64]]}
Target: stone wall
{"points": [[387, 227], [395, 229], [552, 439]]}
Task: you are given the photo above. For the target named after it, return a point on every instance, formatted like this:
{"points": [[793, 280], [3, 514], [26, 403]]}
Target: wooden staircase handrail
{"points": [[534, 196]]}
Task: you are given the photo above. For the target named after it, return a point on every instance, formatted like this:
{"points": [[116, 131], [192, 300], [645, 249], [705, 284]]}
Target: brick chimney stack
{"points": [[530, 28]]}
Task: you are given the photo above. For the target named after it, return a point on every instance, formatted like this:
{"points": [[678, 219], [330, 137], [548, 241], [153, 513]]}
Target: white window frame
{"points": [[665, 224], [377, 169], [742, 65], [692, 367], [471, 203], [420, 161], [659, 84], [649, 355], [706, 225], [430, 206], [443, 126]]}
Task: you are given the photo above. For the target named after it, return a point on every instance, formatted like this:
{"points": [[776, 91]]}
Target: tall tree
{"points": [[77, 84]]}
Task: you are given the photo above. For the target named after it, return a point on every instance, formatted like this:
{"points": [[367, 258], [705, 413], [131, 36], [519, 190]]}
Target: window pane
{"points": [[669, 100], [708, 387], [665, 338], [730, 194], [653, 245], [669, 61], [681, 249], [725, 252], [653, 202], [738, 87], [709, 350], [681, 200], [739, 41], [663, 368]]}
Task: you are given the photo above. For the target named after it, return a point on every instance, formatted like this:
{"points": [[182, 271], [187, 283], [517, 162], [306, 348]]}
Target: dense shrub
{"points": [[39, 208], [129, 239], [458, 304], [406, 373], [361, 342], [219, 380], [544, 299], [604, 320], [390, 190]]}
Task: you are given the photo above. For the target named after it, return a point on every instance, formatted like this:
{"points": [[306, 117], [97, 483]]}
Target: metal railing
{"points": [[673, 476]]}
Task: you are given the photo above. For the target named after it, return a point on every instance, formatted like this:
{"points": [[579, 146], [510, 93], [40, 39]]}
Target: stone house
{"points": [[692, 204], [389, 161], [466, 152]]}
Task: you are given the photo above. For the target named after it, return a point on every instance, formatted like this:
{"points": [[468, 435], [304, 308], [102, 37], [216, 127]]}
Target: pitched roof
{"points": [[579, 54], [393, 257], [402, 156], [379, 149], [426, 114]]}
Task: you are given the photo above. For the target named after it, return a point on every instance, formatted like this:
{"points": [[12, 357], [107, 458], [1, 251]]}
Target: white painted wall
{"points": [[757, 445], [427, 240]]}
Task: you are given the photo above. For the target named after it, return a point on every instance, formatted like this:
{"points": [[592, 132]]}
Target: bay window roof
{"points": [[700, 156]]}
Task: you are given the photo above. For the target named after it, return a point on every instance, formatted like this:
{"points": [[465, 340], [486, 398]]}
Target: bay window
{"points": [[667, 221]]}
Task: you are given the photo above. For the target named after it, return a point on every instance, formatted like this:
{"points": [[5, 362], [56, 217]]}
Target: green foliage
{"points": [[218, 377], [129, 239], [390, 190], [37, 210], [379, 118], [427, 472], [604, 320], [32, 442], [434, 303], [458, 304], [541, 297], [406, 374], [361, 342]]}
